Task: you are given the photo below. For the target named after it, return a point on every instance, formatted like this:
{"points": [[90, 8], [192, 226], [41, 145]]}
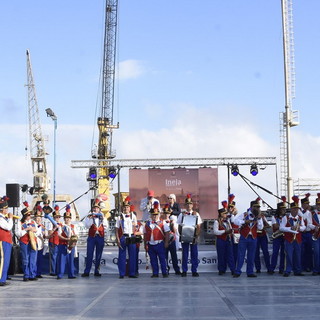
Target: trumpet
{"points": [[277, 234], [316, 234], [13, 216], [265, 225]]}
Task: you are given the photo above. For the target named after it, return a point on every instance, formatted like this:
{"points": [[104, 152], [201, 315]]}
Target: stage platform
{"points": [[210, 296]]}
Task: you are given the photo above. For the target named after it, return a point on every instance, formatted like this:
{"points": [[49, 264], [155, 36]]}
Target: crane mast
{"points": [[289, 118], [105, 119], [37, 146]]}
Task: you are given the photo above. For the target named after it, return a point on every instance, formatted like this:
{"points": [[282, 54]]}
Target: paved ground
{"points": [[208, 297]]}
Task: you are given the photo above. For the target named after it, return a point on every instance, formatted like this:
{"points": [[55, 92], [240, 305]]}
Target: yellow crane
{"points": [[100, 177]]}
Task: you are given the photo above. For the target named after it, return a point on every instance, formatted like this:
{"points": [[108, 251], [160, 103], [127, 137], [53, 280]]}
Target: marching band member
{"points": [[315, 227], [125, 227], [156, 240], [186, 245], [26, 232], [147, 204], [292, 226], [138, 232], [223, 230], [6, 224], [306, 244], [232, 212], [250, 222], [262, 242], [97, 224], [278, 238], [40, 240], [172, 223], [175, 210], [66, 250], [53, 239]]}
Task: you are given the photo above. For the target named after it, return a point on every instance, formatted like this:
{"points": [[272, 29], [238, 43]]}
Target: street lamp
{"points": [[51, 114]]}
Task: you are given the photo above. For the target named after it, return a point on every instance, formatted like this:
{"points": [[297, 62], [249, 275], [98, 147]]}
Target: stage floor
{"points": [[208, 297]]}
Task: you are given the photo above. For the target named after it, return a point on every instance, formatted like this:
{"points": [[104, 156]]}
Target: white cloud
{"points": [[193, 133], [130, 69]]}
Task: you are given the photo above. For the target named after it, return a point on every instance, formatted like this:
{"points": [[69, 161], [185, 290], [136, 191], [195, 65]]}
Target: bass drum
{"points": [[188, 228]]}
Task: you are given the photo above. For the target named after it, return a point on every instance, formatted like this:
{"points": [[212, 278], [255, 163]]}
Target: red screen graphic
{"points": [[201, 183]]}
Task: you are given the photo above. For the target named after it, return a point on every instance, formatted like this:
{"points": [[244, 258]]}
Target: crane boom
{"points": [[37, 145], [105, 120]]}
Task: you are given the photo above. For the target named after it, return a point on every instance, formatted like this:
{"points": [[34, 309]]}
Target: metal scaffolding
{"points": [[173, 162]]}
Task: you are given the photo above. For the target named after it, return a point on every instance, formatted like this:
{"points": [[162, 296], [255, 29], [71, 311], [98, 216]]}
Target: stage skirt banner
{"points": [[109, 262]]}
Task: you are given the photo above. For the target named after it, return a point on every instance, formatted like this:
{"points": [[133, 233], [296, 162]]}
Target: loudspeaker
{"points": [[13, 193]]}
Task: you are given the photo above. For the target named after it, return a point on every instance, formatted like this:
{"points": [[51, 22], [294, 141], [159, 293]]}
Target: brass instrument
{"points": [[72, 242], [33, 240], [265, 225], [13, 216], [316, 234], [277, 234]]}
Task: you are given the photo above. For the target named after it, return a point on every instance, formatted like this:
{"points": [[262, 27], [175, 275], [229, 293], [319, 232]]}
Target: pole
{"points": [[118, 204], [54, 160], [229, 190]]}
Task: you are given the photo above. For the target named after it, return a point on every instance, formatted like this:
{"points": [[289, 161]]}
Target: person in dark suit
{"points": [[175, 210]]}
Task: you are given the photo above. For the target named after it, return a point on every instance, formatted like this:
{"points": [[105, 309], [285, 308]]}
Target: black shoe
{"points": [[258, 271], [8, 278], [221, 273], [165, 276], [155, 276], [59, 278], [252, 275], [25, 279], [52, 275], [236, 275], [72, 277], [2, 284], [286, 274], [299, 274], [178, 273], [121, 277], [33, 279], [280, 271], [315, 273], [183, 274], [133, 277], [270, 272], [85, 275], [195, 274], [40, 276], [97, 274]]}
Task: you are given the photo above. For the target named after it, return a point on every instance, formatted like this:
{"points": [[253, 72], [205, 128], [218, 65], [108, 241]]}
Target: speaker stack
{"points": [[13, 193]]}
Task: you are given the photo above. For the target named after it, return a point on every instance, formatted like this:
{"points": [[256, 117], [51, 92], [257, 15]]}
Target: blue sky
{"points": [[198, 79]]}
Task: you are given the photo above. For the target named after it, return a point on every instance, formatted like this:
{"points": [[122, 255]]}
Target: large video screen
{"points": [[201, 183]]}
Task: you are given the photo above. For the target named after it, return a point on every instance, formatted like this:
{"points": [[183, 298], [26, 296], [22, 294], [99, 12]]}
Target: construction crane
{"points": [[289, 118], [100, 177], [41, 181]]}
